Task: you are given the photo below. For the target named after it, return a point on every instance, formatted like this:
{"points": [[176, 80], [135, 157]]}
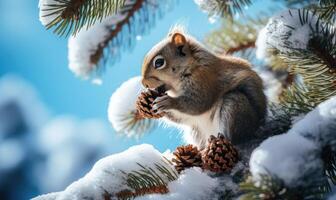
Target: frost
{"points": [[86, 43], [46, 15], [292, 155], [122, 109], [283, 30], [105, 176]]}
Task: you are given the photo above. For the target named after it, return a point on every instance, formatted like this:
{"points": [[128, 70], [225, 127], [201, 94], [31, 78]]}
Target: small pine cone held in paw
{"points": [[144, 104], [220, 155], [186, 157]]}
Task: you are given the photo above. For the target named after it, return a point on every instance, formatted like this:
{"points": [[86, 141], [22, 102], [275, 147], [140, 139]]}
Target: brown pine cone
{"points": [[220, 155], [186, 157], [145, 102]]}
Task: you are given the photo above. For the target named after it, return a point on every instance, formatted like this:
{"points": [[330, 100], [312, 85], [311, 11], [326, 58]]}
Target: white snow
{"points": [[57, 150], [106, 175], [192, 184], [272, 86], [122, 108], [70, 144], [207, 6], [320, 124], [261, 44], [273, 34], [287, 156], [86, 42], [45, 20], [291, 155]]}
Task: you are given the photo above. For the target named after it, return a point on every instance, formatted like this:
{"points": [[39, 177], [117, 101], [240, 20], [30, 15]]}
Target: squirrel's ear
{"points": [[179, 41]]}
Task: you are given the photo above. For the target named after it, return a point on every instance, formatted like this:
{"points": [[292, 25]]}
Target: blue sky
{"points": [[40, 57]]}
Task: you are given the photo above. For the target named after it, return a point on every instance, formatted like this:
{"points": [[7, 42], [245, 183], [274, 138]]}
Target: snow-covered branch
{"points": [[122, 111], [294, 155]]}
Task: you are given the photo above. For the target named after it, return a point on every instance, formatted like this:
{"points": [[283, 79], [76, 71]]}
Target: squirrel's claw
{"points": [[161, 104]]}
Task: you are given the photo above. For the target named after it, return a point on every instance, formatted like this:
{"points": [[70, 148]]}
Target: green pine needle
{"points": [[148, 180], [73, 15]]}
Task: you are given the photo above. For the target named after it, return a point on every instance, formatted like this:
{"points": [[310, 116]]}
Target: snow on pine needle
{"points": [[69, 16], [46, 15], [289, 29], [86, 48], [109, 175], [293, 155], [193, 183], [122, 112]]}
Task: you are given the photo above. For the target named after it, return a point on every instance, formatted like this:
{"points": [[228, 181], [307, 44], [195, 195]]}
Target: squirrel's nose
{"points": [[144, 83]]}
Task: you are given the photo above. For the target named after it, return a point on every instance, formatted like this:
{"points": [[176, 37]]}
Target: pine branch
{"points": [[69, 16], [271, 187], [228, 8], [224, 8], [235, 36], [130, 10], [146, 181], [315, 64], [327, 10], [114, 34], [329, 159], [241, 47]]}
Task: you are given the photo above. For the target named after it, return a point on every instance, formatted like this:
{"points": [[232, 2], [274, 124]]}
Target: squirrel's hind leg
{"points": [[238, 117]]}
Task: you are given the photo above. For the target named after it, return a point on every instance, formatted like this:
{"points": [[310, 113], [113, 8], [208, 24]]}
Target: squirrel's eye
{"points": [[159, 62]]}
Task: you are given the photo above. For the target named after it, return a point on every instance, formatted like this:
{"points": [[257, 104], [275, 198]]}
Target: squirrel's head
{"points": [[169, 61]]}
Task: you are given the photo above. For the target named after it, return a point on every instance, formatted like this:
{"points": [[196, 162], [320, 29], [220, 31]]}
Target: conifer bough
{"points": [[69, 16]]}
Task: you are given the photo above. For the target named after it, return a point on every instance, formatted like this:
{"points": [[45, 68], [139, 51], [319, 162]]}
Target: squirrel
{"points": [[204, 92]]}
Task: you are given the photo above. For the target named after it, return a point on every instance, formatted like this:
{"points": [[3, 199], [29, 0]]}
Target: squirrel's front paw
{"points": [[162, 104]]}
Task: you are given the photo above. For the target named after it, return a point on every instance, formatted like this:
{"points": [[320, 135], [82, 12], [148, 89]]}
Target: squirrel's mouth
{"points": [[162, 88]]}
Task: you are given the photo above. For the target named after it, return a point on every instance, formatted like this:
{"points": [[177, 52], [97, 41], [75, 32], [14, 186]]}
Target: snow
{"points": [[261, 44], [282, 30], [320, 124], [106, 175], [85, 44], [122, 108], [287, 156], [272, 86], [45, 15], [75, 145], [192, 184], [45, 153], [290, 156], [209, 6]]}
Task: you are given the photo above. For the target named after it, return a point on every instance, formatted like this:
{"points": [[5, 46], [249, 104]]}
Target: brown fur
{"points": [[199, 81]]}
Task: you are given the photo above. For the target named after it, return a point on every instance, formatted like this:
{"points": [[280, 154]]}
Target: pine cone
{"points": [[186, 157], [145, 102], [220, 155]]}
